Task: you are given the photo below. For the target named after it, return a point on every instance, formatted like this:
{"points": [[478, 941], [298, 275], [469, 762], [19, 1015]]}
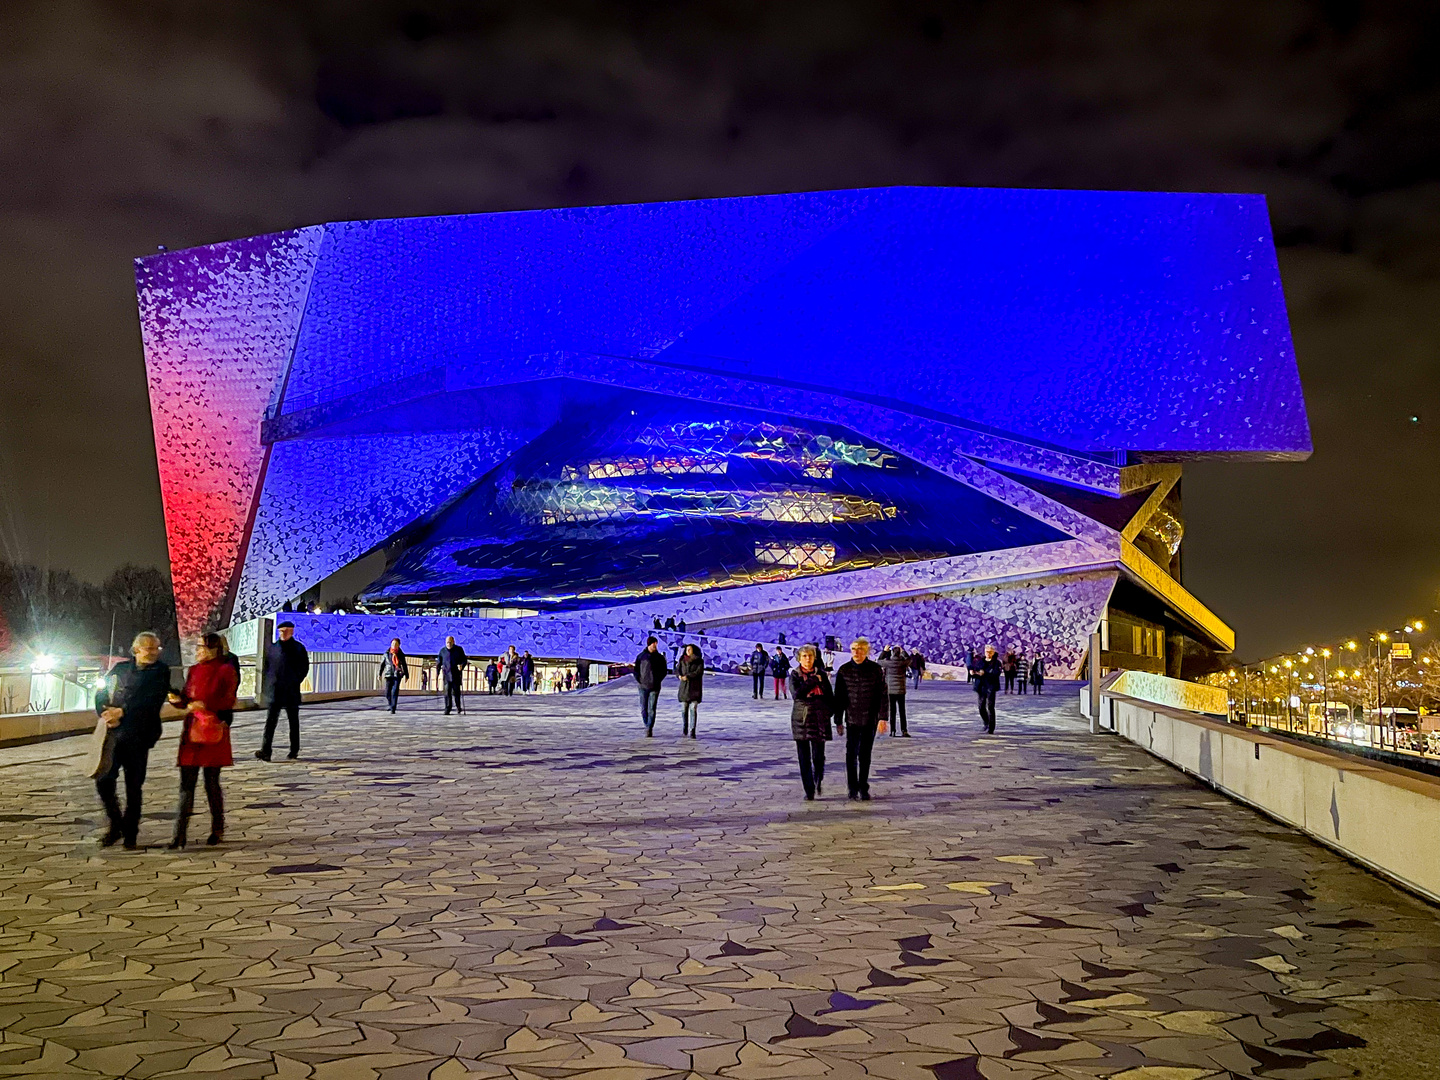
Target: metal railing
{"points": [[1396, 732]]}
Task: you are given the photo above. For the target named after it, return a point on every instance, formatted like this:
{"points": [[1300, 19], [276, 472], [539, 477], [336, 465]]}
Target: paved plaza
{"points": [[531, 890]]}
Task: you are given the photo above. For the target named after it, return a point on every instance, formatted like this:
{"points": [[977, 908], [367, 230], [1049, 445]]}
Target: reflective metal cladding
{"points": [[580, 408]]}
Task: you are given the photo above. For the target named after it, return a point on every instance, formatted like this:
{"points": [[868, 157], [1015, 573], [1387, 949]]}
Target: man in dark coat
{"points": [[130, 703], [896, 665], [759, 666], [987, 685], [650, 672], [286, 665], [859, 703], [451, 663]]}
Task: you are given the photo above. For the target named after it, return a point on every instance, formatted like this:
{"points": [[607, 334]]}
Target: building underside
{"points": [[933, 417]]}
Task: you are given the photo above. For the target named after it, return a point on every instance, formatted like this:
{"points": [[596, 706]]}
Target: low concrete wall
{"points": [[1376, 814], [17, 729], [20, 729]]}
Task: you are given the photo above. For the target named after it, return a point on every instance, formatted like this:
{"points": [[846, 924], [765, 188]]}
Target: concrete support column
{"points": [[264, 635], [1095, 683]]}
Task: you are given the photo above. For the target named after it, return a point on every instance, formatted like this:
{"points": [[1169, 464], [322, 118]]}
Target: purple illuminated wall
{"points": [[320, 393]]}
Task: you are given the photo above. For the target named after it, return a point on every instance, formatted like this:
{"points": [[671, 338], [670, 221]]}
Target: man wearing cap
{"points": [[286, 665]]}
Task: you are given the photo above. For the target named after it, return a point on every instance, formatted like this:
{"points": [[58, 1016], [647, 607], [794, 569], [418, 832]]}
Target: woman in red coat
{"points": [[209, 689]]}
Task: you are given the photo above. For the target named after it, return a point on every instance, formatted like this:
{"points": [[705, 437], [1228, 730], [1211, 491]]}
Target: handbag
{"points": [[205, 728], [100, 755]]}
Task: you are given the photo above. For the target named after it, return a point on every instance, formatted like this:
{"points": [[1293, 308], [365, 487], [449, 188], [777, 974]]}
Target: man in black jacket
{"points": [[451, 664], [286, 665], [650, 671], [987, 685], [759, 666], [130, 703], [860, 700]]}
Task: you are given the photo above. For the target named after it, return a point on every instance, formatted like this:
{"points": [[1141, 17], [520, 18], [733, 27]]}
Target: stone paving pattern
{"points": [[532, 891]]}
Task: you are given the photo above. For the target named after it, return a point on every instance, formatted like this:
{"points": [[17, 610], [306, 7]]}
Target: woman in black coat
{"points": [[813, 703], [690, 669]]}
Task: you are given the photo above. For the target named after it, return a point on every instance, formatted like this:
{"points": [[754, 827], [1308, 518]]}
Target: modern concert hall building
{"points": [[937, 417]]}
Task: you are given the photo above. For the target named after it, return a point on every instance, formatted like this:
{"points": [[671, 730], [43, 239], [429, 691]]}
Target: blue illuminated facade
{"points": [[750, 413]]}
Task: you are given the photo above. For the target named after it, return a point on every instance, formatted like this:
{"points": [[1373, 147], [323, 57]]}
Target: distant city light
{"points": [[43, 664]]}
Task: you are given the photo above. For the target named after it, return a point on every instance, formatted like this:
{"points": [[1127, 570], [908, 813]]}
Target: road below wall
{"points": [[531, 889]]}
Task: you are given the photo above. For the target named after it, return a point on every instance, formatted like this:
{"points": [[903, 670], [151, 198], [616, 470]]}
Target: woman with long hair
{"points": [[394, 669], [690, 669], [209, 703], [812, 706]]}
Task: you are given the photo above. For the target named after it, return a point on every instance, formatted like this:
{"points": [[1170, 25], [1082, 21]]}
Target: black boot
{"points": [[182, 822]]}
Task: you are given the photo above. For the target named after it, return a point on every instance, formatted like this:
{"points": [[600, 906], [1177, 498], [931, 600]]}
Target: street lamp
{"points": [[1289, 695], [1325, 689]]}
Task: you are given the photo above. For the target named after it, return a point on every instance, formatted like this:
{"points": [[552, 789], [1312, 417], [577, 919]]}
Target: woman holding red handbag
{"points": [[209, 703]]}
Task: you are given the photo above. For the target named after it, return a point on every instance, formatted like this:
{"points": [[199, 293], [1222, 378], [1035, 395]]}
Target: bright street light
{"points": [[43, 664]]}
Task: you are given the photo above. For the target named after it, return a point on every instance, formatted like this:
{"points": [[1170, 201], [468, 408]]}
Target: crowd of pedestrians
{"points": [[864, 698]]}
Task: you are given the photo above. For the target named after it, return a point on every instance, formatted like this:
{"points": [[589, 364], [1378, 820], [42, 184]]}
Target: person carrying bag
{"points": [[209, 703]]}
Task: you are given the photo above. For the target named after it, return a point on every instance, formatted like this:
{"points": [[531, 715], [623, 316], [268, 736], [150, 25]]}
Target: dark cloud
{"points": [[140, 122]]}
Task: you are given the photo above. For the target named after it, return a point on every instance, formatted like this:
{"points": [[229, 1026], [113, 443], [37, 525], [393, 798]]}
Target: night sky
{"points": [[127, 125]]}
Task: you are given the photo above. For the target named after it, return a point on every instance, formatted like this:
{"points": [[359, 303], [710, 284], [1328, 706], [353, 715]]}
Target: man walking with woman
{"points": [[650, 671], [130, 703], [860, 699]]}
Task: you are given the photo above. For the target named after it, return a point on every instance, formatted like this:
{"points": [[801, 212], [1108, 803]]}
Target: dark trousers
{"points": [[758, 690], [1009, 681], [1023, 685], [291, 705], [392, 693], [188, 776], [452, 696], [812, 763], [134, 760], [859, 741], [986, 694], [525, 684], [897, 709]]}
